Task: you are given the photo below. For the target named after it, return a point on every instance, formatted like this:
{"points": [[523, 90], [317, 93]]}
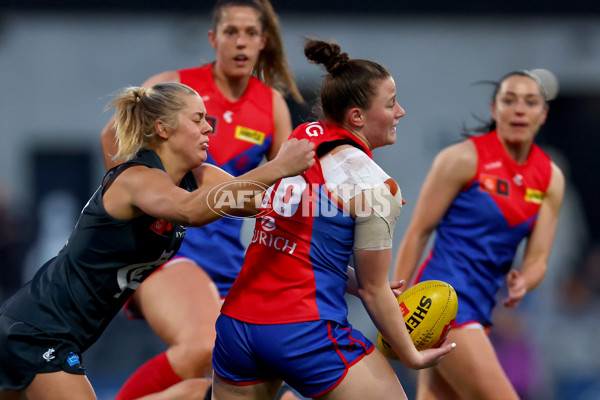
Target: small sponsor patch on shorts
{"points": [[73, 359]]}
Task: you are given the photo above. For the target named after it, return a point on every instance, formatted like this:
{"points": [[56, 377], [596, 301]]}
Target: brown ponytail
{"points": [[349, 82]]}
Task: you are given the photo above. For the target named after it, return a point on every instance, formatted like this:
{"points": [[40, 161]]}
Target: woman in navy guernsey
{"points": [[482, 197], [285, 317], [243, 90], [134, 222]]}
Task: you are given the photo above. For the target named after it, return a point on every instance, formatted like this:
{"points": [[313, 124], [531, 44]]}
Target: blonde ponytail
{"points": [[138, 109]]}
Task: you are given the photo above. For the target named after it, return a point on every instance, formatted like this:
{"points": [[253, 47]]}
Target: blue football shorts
{"points": [[312, 357]]}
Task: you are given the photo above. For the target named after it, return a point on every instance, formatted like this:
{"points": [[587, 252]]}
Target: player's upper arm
{"points": [[282, 121], [556, 190], [140, 189], [451, 170], [208, 174], [372, 269], [540, 241]]}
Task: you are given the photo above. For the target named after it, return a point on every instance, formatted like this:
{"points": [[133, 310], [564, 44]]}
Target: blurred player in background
{"points": [[242, 90], [482, 197], [285, 317], [133, 223]]}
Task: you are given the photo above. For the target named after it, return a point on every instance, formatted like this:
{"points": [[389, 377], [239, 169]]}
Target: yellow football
{"points": [[428, 308]]}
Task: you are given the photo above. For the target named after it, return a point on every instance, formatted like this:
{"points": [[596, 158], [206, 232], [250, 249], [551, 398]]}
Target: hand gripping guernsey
{"points": [[242, 134], [477, 238], [72, 298], [295, 266]]}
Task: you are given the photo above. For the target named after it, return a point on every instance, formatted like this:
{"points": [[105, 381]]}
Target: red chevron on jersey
{"points": [[231, 119], [517, 189]]}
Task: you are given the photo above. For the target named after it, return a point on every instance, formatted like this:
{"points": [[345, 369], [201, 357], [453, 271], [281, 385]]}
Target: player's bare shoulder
{"points": [[457, 162], [166, 76]]}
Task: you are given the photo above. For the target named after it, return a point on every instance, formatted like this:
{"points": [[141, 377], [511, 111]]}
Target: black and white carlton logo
{"points": [[228, 199], [49, 355]]}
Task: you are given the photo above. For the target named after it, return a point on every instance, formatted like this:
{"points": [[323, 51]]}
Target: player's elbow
{"points": [[187, 214], [200, 218], [369, 293], [418, 233]]}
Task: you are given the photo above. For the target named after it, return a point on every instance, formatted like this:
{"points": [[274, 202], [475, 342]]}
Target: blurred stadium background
{"points": [[60, 61]]}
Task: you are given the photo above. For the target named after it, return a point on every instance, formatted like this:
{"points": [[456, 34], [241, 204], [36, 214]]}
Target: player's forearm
{"points": [[383, 309], [533, 273], [266, 174], [372, 270], [236, 198]]}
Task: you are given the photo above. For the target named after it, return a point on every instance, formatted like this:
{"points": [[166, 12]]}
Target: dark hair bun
{"points": [[327, 54]]}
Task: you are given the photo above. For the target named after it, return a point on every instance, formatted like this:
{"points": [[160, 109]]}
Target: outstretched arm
{"points": [[151, 191]]}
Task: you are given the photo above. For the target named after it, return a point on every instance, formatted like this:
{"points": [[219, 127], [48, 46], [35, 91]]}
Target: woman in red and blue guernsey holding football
{"points": [[242, 90], [285, 317], [482, 197]]}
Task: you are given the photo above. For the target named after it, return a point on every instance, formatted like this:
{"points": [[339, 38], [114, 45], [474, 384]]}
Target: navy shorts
{"points": [[27, 351], [312, 357]]}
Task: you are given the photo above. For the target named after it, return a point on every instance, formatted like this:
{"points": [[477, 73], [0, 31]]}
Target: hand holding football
{"points": [[428, 308]]}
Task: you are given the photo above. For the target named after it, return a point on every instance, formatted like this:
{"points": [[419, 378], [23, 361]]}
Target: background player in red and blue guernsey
{"points": [[285, 317], [134, 222], [251, 120], [482, 197]]}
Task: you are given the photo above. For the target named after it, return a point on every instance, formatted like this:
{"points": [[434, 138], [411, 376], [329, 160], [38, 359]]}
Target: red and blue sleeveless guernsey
{"points": [[242, 134], [476, 240], [295, 267]]}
